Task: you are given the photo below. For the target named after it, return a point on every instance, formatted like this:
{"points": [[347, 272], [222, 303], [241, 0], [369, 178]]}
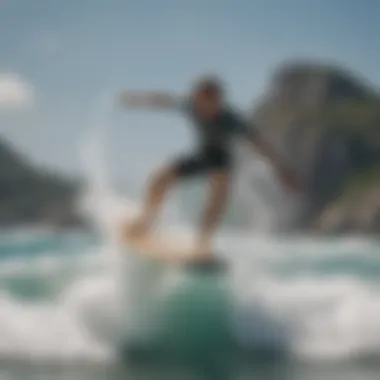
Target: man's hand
{"points": [[130, 99], [287, 176]]}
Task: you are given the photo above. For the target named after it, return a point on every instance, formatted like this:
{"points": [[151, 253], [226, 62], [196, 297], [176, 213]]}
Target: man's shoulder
{"points": [[233, 115], [239, 122]]}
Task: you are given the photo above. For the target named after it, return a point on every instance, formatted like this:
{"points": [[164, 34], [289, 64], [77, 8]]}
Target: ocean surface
{"points": [[76, 306]]}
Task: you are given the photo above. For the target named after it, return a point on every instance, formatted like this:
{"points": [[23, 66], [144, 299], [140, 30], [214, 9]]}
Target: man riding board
{"points": [[216, 124]]}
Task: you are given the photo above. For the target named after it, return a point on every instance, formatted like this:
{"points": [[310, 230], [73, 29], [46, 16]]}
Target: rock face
{"points": [[30, 195], [327, 123]]}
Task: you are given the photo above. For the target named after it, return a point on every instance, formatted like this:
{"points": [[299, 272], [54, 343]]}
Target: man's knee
{"points": [[221, 178], [165, 176]]}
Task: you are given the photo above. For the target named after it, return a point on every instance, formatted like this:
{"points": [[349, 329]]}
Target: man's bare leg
{"points": [[159, 186], [215, 207]]}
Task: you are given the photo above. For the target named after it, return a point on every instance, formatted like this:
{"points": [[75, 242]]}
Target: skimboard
{"points": [[157, 247], [161, 245], [168, 246]]}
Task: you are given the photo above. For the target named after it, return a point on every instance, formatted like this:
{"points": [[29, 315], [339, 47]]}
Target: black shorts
{"points": [[202, 162]]}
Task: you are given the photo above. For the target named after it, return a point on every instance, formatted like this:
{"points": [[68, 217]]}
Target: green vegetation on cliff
{"points": [[29, 194], [361, 183]]}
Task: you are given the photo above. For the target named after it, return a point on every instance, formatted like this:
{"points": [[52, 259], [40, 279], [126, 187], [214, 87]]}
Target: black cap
{"points": [[210, 84]]}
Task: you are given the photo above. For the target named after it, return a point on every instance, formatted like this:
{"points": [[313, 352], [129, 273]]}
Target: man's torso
{"points": [[217, 132]]}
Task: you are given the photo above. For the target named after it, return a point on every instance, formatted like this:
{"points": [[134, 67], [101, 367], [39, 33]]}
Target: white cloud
{"points": [[15, 92]]}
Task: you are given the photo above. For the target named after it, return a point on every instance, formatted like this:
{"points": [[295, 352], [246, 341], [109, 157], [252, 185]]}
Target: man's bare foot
{"points": [[203, 251], [138, 227]]}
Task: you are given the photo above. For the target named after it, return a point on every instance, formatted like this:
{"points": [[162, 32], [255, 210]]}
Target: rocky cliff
{"points": [[29, 194], [326, 121]]}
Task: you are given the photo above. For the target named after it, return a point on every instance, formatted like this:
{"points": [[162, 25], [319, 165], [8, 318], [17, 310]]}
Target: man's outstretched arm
{"points": [[155, 100], [287, 175]]}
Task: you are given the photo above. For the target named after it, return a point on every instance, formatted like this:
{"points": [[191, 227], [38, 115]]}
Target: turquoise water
{"points": [[74, 307]]}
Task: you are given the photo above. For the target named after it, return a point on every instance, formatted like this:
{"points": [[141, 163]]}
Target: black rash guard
{"points": [[214, 140], [217, 132]]}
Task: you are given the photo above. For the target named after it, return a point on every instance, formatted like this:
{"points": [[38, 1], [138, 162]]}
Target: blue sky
{"points": [[58, 58]]}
